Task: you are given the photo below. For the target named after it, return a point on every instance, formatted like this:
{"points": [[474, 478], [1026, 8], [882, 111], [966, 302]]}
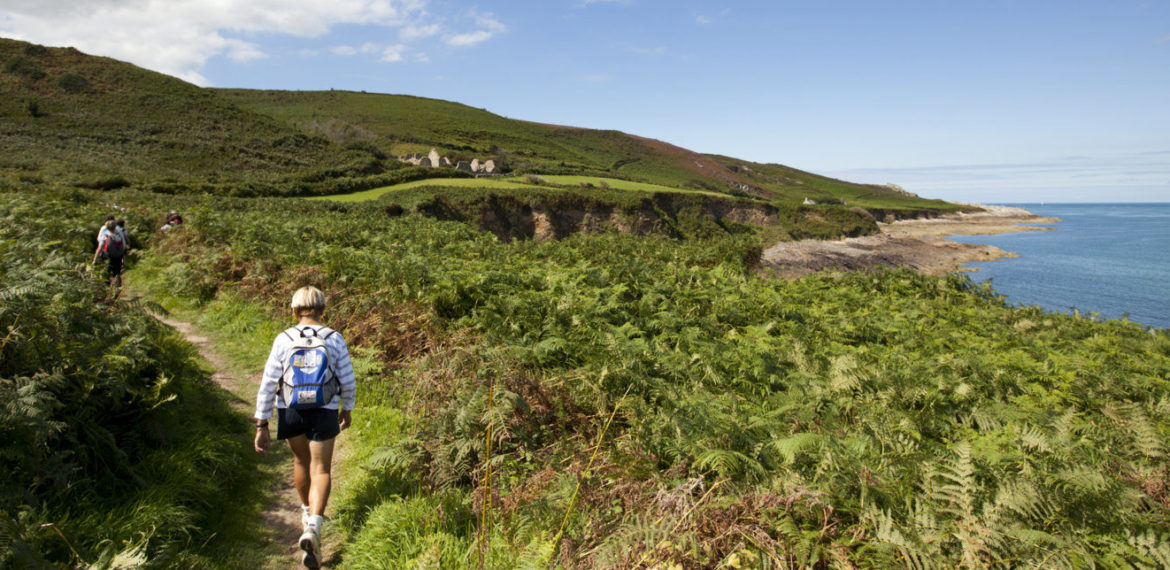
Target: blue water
{"points": [[1109, 259]]}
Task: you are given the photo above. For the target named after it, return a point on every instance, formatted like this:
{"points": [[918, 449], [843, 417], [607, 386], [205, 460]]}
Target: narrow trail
{"points": [[281, 517]]}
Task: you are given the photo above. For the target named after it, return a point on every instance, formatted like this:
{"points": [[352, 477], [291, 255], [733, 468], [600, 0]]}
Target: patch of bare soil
{"points": [[917, 244]]}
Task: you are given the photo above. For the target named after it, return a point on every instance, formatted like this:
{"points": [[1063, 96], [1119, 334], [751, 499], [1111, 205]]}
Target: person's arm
{"points": [[102, 237], [345, 377], [266, 395]]}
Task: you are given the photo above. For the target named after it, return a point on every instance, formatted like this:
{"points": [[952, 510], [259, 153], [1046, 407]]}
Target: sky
{"points": [[991, 101]]}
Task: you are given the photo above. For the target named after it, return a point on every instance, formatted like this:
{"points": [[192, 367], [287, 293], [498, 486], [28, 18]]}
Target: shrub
{"points": [[37, 51], [113, 182], [368, 147], [73, 83], [24, 68]]}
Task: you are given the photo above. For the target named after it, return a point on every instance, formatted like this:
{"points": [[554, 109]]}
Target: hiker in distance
{"points": [[310, 379], [173, 219], [112, 246]]}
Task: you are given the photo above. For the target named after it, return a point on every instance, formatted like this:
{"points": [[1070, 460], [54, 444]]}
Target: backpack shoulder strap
{"points": [[328, 333]]}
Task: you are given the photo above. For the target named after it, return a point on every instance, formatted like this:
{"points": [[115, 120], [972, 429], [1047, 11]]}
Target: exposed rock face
{"points": [[434, 157], [464, 166], [510, 219], [489, 167]]}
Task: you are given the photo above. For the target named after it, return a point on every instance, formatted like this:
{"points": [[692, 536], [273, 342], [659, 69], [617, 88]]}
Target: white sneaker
{"points": [[304, 517], [311, 544]]}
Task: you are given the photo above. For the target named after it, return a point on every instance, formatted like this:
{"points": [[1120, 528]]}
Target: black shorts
{"points": [[114, 266], [317, 424]]}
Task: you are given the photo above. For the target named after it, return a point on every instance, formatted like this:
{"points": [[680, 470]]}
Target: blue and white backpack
{"points": [[308, 380]]}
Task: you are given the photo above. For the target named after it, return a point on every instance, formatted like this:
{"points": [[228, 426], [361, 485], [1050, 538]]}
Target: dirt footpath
{"points": [[917, 244], [282, 516]]}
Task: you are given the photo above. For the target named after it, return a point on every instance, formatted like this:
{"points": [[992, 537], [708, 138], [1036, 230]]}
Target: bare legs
{"points": [[312, 464]]}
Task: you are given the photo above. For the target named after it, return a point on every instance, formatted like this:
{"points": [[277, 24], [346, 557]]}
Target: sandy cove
{"points": [[918, 244]]}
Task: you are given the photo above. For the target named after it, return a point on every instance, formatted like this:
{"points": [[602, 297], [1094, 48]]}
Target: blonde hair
{"points": [[309, 299]]}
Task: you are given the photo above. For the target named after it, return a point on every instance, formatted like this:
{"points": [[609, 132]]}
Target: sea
{"points": [[1105, 261]]}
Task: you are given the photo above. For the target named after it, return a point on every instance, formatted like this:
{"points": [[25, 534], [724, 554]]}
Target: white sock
{"points": [[316, 521]]}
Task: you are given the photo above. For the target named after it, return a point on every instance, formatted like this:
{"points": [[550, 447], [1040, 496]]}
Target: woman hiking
{"points": [[310, 379], [111, 246]]}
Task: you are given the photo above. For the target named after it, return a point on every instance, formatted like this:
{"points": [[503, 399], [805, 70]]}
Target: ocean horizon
{"points": [[1104, 260]]}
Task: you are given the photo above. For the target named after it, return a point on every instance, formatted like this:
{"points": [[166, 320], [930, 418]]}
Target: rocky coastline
{"points": [[919, 244]]}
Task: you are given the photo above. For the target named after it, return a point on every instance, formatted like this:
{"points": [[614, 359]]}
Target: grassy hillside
{"points": [[72, 119], [400, 124], [78, 120]]}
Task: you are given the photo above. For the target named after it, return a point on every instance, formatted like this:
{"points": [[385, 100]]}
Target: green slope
{"points": [[74, 119], [67, 118], [401, 124]]}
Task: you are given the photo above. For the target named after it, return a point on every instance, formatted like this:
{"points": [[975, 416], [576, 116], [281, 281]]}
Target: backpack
{"points": [[308, 381], [115, 246]]}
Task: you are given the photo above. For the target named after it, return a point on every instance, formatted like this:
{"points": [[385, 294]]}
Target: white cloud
{"points": [[178, 37], [1163, 40], [488, 26], [488, 22], [344, 51], [1073, 177], [393, 54], [415, 32], [702, 20], [469, 39]]}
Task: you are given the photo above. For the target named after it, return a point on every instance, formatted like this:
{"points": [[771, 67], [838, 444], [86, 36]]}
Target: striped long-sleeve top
{"points": [[270, 392]]}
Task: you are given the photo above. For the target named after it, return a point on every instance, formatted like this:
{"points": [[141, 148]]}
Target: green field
{"points": [[374, 194], [510, 183]]}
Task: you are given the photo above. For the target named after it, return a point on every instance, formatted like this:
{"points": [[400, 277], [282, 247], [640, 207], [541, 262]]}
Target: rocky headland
{"points": [[918, 244]]}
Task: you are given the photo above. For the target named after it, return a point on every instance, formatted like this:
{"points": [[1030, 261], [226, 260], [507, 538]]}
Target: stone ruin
{"points": [[433, 160]]}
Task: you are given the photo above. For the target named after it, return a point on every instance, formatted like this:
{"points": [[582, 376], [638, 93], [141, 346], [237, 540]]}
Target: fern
{"points": [[791, 447], [1155, 547]]}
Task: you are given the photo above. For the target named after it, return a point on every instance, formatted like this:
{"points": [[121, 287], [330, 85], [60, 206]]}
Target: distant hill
{"points": [[402, 124], [77, 119], [67, 118]]}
